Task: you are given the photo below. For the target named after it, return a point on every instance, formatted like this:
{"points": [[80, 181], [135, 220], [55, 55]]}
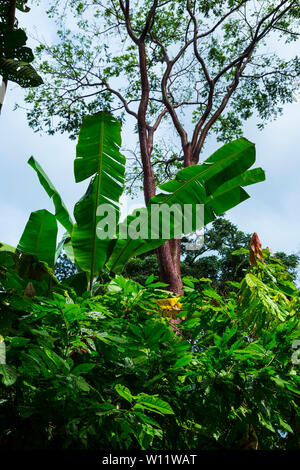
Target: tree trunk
{"points": [[168, 256]]}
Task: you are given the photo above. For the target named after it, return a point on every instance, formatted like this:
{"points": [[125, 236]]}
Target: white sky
{"points": [[273, 211]]}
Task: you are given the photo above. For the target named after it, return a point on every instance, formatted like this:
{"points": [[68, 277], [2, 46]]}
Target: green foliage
{"points": [[216, 185], [214, 260], [109, 371], [61, 212], [97, 155], [95, 61], [15, 57], [39, 236]]}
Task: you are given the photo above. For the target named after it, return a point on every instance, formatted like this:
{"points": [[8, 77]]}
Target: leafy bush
{"points": [[96, 364], [110, 372]]}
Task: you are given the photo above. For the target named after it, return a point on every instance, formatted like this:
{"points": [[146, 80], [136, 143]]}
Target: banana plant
{"points": [[217, 184], [97, 156]]}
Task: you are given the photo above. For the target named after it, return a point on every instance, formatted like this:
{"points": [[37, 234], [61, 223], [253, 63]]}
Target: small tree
{"points": [[176, 62]]}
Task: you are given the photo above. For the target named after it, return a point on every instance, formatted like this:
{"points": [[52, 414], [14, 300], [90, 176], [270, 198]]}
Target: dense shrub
{"points": [[109, 371]]}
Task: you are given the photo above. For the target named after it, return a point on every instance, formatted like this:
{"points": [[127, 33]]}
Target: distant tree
{"points": [[200, 66], [290, 261], [215, 257], [214, 260]]}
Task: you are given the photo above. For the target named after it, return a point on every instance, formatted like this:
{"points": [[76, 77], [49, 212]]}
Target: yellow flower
{"points": [[170, 307]]}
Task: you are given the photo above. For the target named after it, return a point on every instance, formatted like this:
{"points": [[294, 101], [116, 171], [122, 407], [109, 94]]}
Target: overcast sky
{"points": [[272, 211]]}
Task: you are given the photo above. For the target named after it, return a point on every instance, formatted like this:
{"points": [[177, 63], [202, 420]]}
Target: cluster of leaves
{"points": [[104, 367], [81, 66], [15, 56], [109, 370], [98, 240]]}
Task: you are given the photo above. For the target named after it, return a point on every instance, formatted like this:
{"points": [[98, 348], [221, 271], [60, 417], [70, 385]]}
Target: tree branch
{"points": [[121, 98], [149, 20], [126, 12]]}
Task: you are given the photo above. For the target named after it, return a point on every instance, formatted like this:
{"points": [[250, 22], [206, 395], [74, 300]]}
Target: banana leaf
{"points": [[217, 184], [39, 236], [97, 156], [5, 247], [20, 72], [61, 212]]}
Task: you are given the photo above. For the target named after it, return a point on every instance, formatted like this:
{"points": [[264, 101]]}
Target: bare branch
{"points": [[125, 9], [149, 20], [122, 99], [230, 89], [258, 36], [170, 63]]}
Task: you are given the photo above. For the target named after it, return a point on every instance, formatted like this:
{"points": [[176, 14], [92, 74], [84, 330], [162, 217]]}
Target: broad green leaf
{"points": [[97, 155], [61, 245], [182, 362], [68, 249], [285, 425], [217, 184], [9, 374], [149, 279], [60, 363], [82, 369], [5, 247], [254, 351], [124, 392], [266, 423], [61, 212], [19, 72], [39, 236], [154, 403], [19, 342]]}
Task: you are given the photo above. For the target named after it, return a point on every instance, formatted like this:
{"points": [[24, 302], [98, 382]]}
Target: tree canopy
{"points": [[211, 63]]}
